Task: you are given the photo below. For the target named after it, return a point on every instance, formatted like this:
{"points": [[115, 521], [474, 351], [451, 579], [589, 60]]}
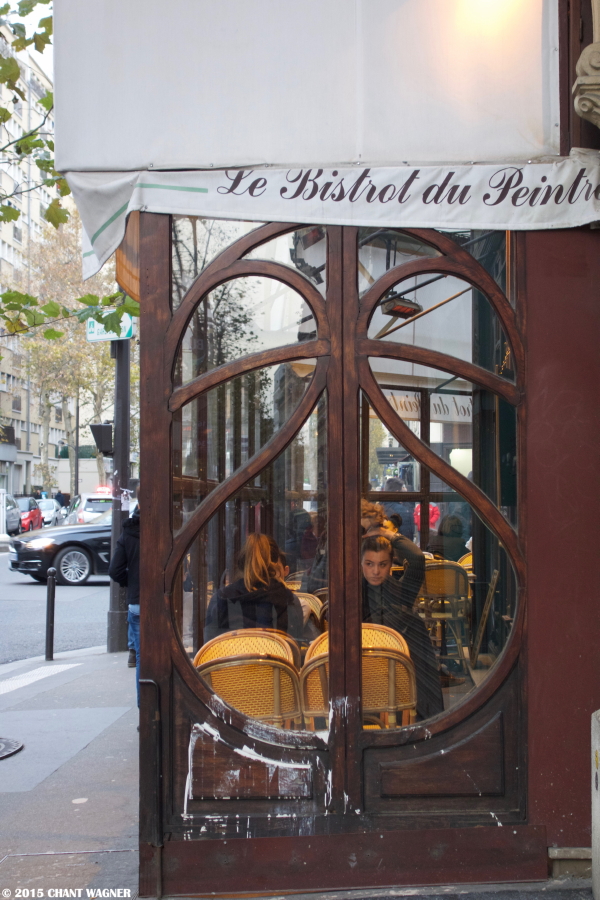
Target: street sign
{"points": [[97, 332]]}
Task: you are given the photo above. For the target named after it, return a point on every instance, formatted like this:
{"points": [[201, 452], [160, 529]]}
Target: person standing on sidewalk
{"points": [[125, 570]]}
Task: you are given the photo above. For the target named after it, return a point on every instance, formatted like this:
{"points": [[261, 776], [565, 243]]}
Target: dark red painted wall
{"points": [[562, 280]]}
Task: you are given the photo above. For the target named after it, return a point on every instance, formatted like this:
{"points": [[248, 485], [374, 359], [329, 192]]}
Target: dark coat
{"points": [[448, 545], [273, 606], [125, 563], [384, 605], [406, 513]]}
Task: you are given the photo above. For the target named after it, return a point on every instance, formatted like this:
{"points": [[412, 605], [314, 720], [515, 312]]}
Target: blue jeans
{"points": [[133, 621]]}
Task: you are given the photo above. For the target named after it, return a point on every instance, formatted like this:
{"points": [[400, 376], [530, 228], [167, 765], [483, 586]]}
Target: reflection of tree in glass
{"points": [[196, 242], [229, 317]]}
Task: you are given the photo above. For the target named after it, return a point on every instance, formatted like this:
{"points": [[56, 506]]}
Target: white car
{"points": [[86, 507], [50, 511]]}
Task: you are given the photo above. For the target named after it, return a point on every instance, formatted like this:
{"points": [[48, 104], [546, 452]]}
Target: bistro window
{"points": [[427, 442]]}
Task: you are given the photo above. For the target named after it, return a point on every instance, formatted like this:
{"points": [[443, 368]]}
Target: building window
{"points": [[18, 234], [16, 403], [18, 443], [57, 414]]}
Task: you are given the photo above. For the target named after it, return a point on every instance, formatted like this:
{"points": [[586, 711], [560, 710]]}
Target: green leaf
{"points": [[46, 24], [51, 309], [84, 314], [4, 9], [19, 29], [9, 69], [66, 312], [89, 300], [8, 213], [130, 306], [41, 40], [52, 334], [15, 325], [63, 188], [5, 114], [111, 321], [17, 298], [33, 318], [50, 145], [55, 214], [47, 101]]}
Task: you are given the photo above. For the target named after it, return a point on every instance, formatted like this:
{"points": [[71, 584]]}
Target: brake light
{"points": [[80, 517]]}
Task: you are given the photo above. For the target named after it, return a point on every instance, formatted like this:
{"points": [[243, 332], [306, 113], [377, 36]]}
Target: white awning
{"points": [[560, 194]]}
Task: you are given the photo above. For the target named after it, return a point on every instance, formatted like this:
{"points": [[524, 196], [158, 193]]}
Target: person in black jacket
{"points": [[260, 598], [385, 603], [125, 570]]}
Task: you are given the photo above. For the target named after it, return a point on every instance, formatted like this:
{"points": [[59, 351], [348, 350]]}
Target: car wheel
{"points": [[41, 578], [73, 566]]}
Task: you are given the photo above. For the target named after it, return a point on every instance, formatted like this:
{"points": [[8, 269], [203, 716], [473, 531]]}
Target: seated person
{"points": [[259, 599], [449, 542], [406, 552], [384, 604], [405, 511]]}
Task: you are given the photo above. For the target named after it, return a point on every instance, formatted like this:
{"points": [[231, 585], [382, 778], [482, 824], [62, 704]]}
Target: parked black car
{"points": [[75, 551]]}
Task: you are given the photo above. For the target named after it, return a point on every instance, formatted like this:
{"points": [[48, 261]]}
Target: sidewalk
{"points": [[69, 799]]}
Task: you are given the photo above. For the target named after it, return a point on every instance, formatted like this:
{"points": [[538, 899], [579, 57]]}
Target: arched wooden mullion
{"points": [[479, 279], [443, 361], [474, 495], [249, 470], [211, 278], [221, 374]]}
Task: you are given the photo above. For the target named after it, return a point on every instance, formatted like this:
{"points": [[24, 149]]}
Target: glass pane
{"points": [[219, 431], [305, 250], [470, 428], [195, 244], [488, 248], [436, 621], [445, 314], [380, 249], [261, 668], [242, 316]]}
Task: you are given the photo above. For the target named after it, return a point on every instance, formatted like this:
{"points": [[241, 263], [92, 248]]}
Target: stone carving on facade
{"points": [[586, 90]]}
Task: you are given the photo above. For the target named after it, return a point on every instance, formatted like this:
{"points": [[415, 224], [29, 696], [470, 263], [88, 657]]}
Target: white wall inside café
{"points": [[194, 83]]}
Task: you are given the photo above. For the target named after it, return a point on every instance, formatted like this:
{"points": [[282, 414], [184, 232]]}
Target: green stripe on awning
{"points": [[108, 222], [174, 187]]}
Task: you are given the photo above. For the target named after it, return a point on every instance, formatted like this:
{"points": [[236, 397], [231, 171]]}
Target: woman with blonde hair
{"points": [[259, 598]]}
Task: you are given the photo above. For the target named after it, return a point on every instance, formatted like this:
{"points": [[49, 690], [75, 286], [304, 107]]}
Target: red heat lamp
{"points": [[398, 306]]}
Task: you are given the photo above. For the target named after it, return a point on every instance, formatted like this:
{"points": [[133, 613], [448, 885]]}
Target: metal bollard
{"points": [[50, 592]]}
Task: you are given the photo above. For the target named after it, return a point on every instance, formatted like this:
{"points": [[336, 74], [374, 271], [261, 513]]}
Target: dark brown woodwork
{"points": [[209, 380], [343, 861], [271, 449], [476, 764], [437, 360], [451, 476], [362, 808], [220, 771]]}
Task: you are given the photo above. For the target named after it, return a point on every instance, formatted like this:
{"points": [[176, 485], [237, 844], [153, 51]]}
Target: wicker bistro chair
{"points": [[466, 561], [374, 637], [315, 604], [261, 641], [444, 601], [261, 686], [388, 684], [389, 687], [314, 690]]}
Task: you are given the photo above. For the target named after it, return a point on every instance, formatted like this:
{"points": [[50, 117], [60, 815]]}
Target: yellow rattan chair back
{"points": [[319, 646], [263, 687], [445, 579], [314, 691], [243, 641], [373, 637], [389, 688], [380, 637], [297, 656], [315, 604], [466, 561]]}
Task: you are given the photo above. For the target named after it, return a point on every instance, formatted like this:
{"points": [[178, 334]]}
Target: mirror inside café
{"points": [[251, 596], [438, 590]]}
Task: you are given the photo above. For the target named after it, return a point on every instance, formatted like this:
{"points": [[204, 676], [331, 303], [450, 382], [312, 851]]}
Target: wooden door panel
{"points": [[475, 764], [476, 767], [345, 861]]}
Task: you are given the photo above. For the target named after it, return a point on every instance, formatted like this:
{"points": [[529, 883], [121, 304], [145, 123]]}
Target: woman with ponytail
{"points": [[259, 598]]}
